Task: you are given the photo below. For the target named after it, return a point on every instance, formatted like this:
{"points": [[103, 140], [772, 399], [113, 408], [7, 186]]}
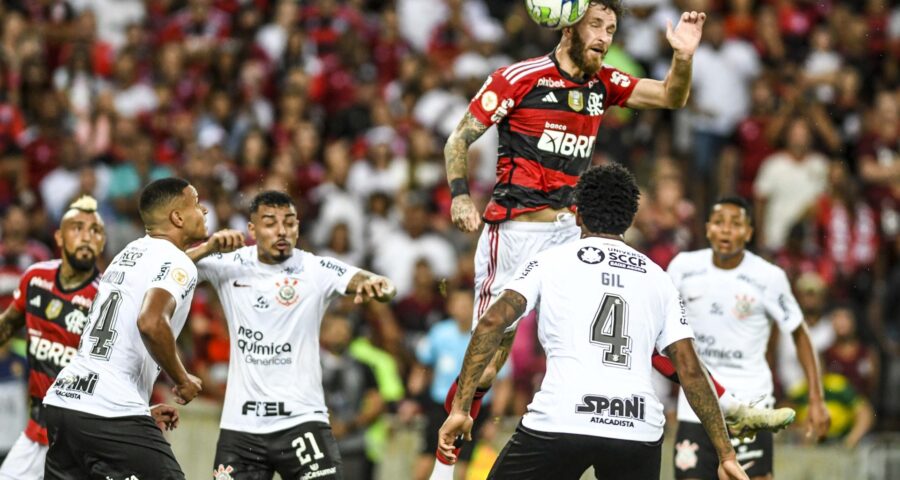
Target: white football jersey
{"points": [[731, 312], [603, 308], [274, 313], [112, 373]]}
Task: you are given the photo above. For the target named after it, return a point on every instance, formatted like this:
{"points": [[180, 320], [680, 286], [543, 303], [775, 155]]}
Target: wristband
{"points": [[459, 186]]}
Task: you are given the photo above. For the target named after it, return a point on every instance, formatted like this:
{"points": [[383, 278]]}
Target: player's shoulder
{"points": [[692, 257], [756, 265], [526, 71], [45, 267]]}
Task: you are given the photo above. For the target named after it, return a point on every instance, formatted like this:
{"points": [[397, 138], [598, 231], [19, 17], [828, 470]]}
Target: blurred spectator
{"points": [[665, 218], [399, 251], [67, 181], [851, 414], [423, 307], [13, 398], [336, 202], [788, 184], [879, 162], [848, 356], [351, 394], [811, 292], [18, 251]]}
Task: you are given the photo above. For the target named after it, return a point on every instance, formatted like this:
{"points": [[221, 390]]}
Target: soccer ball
{"points": [[556, 14]]}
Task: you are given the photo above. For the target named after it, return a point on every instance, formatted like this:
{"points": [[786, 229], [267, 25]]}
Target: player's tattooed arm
{"points": [[367, 285], [484, 344], [456, 155], [10, 322], [701, 394]]}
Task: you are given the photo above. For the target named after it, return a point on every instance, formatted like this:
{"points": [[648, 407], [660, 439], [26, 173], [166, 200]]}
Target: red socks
{"points": [[473, 412]]}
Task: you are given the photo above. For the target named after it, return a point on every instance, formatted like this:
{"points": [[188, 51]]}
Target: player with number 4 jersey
{"points": [[274, 296]]}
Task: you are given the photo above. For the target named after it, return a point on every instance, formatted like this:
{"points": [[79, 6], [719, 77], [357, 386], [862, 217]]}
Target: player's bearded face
{"points": [[588, 58], [81, 239], [728, 230], [276, 230]]}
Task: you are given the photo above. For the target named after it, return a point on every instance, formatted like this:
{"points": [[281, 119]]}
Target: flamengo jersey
{"points": [[547, 123], [55, 319], [274, 313], [603, 308], [730, 311], [112, 373]]}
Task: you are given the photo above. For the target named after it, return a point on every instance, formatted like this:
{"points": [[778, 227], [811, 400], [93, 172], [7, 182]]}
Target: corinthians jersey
{"points": [[603, 308], [732, 312], [112, 372], [274, 313]]}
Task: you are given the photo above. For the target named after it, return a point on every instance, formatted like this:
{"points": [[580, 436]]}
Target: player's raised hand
{"points": [[685, 37], [375, 287], [165, 416], [457, 423], [730, 470], [187, 390], [819, 421], [226, 240], [464, 214]]}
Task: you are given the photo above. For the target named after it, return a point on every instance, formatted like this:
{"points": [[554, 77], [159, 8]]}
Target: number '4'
{"points": [[609, 330]]}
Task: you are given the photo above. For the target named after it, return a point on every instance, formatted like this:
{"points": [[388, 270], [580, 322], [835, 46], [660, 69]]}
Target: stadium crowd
{"points": [[346, 105]]}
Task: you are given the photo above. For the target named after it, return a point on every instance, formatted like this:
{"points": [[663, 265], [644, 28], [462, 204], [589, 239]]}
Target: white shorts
{"points": [[25, 461], [503, 247]]}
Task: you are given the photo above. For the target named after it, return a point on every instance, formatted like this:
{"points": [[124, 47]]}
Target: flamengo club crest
{"points": [[576, 100], [287, 292]]}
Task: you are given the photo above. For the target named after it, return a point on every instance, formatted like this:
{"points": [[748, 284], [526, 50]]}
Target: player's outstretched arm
{"points": [[819, 418], [11, 321], [223, 241], [456, 155], [153, 323], [369, 286], [702, 397], [674, 90], [485, 341]]}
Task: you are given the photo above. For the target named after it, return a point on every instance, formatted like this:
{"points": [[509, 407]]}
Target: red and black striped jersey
{"points": [[547, 123], [54, 319]]}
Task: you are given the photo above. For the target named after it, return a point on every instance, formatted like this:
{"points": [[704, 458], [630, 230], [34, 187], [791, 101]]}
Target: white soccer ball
{"points": [[556, 14]]}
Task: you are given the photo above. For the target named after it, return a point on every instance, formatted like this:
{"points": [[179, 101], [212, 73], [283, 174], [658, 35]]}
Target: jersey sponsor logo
{"points": [[54, 308], [706, 348], [128, 258], [75, 321], [595, 104], [180, 276], [287, 292], [262, 303], [163, 271], [576, 100], [73, 386], [341, 270], [716, 309], [686, 455], [113, 276], [505, 106], [82, 301], [265, 409], [44, 350], [257, 352], [41, 283], [483, 88], [223, 473], [682, 310], [550, 98], [591, 255], [528, 268], [745, 278], [328, 472], [555, 141], [627, 260], [620, 79], [551, 83], [692, 273], [613, 411], [743, 306], [489, 101]]}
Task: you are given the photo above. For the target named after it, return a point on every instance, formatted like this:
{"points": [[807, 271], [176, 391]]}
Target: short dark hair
{"points": [[160, 192], [270, 198], [614, 5], [735, 200], [607, 199]]}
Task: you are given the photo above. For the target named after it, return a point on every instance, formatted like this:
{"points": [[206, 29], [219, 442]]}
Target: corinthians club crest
{"points": [[287, 291]]}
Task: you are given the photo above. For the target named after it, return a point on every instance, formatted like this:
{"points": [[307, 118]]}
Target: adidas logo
{"points": [[36, 301], [549, 98]]}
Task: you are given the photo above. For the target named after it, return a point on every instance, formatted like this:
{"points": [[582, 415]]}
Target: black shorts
{"points": [[435, 415], [695, 455], [85, 446], [307, 451], [531, 454]]}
